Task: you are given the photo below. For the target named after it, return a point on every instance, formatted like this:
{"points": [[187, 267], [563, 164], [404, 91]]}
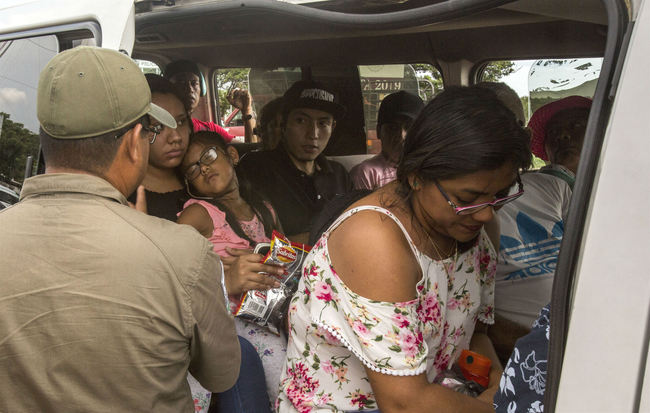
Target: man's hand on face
{"points": [[241, 99]]}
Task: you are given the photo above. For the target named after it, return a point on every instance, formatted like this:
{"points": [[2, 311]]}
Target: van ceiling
{"points": [[261, 33]]}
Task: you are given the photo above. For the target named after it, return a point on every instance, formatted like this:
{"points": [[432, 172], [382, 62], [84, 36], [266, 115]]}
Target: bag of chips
{"points": [[269, 308], [469, 376]]}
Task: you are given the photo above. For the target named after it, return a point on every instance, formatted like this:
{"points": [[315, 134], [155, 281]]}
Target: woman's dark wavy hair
{"points": [[257, 203], [461, 131]]}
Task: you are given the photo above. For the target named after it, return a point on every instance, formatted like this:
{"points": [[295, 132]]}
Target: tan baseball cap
{"points": [[89, 91]]}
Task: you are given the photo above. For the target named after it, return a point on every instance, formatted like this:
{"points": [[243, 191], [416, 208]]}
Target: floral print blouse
{"points": [[336, 332]]}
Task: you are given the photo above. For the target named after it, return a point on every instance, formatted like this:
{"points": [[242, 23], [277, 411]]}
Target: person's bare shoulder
{"points": [[197, 216], [370, 253]]}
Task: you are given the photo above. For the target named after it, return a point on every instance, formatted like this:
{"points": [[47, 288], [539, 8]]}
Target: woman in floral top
{"points": [[392, 292]]}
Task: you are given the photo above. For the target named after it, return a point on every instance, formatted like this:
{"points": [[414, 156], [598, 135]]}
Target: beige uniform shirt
{"points": [[103, 308]]}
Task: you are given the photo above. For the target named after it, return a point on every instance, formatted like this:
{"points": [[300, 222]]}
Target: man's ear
{"points": [[135, 147], [233, 153], [130, 163], [333, 124]]}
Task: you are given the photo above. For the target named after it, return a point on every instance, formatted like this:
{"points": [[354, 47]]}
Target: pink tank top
{"points": [[223, 235]]}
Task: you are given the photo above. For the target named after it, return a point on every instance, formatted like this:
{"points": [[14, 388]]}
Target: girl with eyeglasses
{"points": [[403, 280], [234, 218]]}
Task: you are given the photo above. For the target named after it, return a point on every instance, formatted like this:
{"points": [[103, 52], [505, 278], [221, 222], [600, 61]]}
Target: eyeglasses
{"points": [[207, 158], [155, 130], [497, 203], [145, 122]]}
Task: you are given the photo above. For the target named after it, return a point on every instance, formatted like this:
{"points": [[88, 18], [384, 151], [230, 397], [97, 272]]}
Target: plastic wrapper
{"points": [[469, 376], [453, 379], [269, 308]]}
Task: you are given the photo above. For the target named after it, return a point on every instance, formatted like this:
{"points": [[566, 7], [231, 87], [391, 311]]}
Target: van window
{"points": [[553, 79], [21, 62], [224, 81], [264, 85], [268, 84], [379, 81], [538, 82], [148, 67], [545, 80]]}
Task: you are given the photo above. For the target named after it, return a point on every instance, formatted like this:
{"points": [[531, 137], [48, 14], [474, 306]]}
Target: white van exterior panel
{"points": [[645, 394], [114, 16], [606, 347]]}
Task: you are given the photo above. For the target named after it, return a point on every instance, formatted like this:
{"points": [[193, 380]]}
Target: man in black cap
{"points": [[396, 113], [296, 177], [187, 75]]}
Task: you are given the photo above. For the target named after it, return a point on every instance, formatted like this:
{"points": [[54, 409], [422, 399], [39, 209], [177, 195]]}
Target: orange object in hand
{"points": [[475, 367]]}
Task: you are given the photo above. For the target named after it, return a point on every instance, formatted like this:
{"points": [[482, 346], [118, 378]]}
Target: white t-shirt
{"points": [[531, 232]]}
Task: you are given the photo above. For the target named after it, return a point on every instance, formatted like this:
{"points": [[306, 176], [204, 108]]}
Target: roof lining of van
{"points": [[420, 16], [220, 35], [591, 11]]}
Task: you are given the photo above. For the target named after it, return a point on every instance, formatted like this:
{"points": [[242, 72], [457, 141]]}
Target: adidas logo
{"points": [[536, 248]]}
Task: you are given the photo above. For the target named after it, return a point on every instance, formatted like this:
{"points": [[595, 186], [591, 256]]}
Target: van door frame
{"points": [[587, 177]]}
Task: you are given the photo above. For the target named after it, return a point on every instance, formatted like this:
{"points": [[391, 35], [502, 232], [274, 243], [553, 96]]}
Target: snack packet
{"points": [[453, 379], [268, 308], [469, 376]]}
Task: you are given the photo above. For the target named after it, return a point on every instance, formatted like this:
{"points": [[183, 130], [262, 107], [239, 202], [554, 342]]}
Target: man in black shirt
{"points": [[296, 177]]}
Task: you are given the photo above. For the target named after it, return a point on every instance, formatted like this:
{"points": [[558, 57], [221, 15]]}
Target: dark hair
{"points": [[158, 84], [181, 66], [185, 66], [461, 131], [508, 97], [269, 111], [94, 154], [256, 202]]}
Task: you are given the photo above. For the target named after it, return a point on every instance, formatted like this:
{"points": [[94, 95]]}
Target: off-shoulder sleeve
{"points": [[385, 337], [487, 266]]}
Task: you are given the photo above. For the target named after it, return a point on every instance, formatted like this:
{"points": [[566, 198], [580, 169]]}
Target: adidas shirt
{"points": [[531, 232]]}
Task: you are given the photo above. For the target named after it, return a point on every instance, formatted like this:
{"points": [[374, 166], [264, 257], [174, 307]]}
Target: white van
{"points": [[601, 301]]}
